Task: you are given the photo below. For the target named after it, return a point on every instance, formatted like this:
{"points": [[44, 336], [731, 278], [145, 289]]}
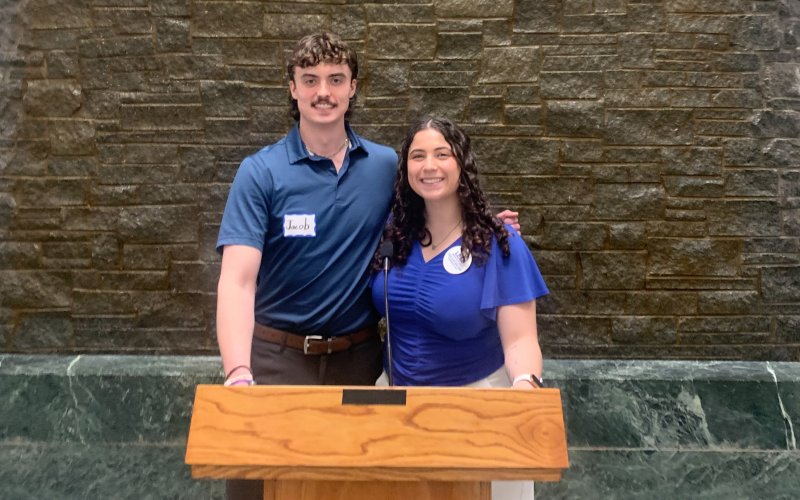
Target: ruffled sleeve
{"points": [[510, 280]]}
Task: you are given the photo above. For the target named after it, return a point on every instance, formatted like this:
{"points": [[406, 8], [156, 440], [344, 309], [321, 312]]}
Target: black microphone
{"points": [[386, 252]]}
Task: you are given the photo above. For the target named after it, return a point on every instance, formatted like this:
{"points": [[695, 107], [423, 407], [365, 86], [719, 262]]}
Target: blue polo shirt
{"points": [[317, 230]]}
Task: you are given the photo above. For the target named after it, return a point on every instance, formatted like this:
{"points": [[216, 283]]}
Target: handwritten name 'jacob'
{"points": [[299, 225]]}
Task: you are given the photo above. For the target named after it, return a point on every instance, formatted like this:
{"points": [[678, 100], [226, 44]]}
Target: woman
{"points": [[462, 288]]}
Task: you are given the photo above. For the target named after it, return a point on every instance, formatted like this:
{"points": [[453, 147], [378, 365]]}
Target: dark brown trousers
{"points": [[273, 364]]}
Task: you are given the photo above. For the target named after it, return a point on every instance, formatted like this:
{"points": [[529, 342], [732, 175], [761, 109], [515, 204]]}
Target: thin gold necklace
{"points": [[344, 144], [434, 245]]}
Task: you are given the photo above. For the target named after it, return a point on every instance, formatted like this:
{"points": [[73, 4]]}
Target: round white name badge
{"points": [[453, 262]]}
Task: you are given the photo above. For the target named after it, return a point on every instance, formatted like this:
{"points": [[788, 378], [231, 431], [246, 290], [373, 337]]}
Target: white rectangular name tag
{"points": [[299, 225]]}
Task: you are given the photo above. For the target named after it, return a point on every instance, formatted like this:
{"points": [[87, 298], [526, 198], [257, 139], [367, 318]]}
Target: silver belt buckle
{"points": [[313, 337]]}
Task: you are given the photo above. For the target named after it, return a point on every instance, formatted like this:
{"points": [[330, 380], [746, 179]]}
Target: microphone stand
{"points": [[390, 372]]}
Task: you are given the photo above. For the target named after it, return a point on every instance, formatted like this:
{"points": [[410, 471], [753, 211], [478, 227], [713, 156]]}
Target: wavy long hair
{"points": [[407, 222]]}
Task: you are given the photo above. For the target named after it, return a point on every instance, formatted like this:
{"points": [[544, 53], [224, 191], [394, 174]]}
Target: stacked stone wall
{"points": [[651, 147]]}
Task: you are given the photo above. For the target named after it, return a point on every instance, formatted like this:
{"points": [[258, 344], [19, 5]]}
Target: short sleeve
{"points": [[510, 280], [246, 217]]}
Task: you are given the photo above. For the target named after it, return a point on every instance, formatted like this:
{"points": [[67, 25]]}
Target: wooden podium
{"points": [[337, 443]]}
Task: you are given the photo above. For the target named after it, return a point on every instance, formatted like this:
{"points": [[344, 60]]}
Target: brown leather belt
{"points": [[314, 344]]}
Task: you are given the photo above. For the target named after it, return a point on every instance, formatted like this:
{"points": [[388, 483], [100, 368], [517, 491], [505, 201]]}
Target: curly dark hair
{"points": [[323, 47], [407, 222]]}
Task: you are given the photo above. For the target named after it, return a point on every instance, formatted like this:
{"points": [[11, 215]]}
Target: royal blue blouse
{"points": [[444, 325]]}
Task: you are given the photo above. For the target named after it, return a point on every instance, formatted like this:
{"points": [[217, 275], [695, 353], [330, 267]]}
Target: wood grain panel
{"points": [[304, 432], [337, 490]]}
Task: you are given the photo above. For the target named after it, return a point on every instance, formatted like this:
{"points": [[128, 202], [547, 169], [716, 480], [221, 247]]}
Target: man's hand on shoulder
{"points": [[511, 218]]}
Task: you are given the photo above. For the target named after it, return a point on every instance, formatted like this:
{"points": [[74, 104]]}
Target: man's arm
{"points": [[236, 294], [511, 218]]}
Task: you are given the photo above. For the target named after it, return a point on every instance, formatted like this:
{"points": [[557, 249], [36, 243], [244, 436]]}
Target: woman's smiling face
{"points": [[433, 171]]}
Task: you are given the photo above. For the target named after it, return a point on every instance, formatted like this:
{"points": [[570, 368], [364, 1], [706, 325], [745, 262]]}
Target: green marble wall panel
{"points": [[634, 414], [100, 471], [115, 427], [100, 399], [742, 414], [639, 474], [35, 408], [787, 378], [678, 404]]}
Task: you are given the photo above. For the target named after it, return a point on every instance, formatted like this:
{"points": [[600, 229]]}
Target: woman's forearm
{"points": [[519, 336], [523, 356]]}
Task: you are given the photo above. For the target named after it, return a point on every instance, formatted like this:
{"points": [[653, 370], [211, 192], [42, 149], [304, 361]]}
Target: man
{"points": [[302, 221], [300, 227]]}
